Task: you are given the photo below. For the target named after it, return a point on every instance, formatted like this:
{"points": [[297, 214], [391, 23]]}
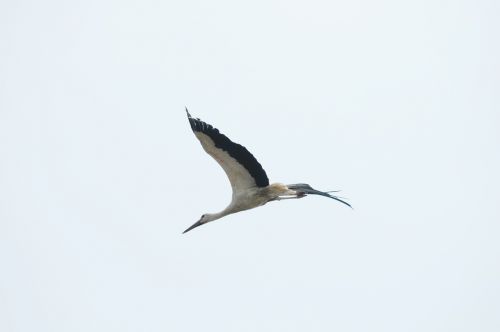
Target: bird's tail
{"points": [[305, 189]]}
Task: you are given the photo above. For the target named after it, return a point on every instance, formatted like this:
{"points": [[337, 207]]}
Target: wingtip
{"points": [[187, 112], [340, 200]]}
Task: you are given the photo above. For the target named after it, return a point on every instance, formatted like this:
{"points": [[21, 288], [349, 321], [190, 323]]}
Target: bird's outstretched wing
{"points": [[304, 188], [241, 167]]}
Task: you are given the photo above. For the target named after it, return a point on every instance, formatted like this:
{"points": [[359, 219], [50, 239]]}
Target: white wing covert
{"points": [[241, 167]]}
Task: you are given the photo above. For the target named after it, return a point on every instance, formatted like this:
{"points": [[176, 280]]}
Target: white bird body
{"points": [[254, 197], [248, 179]]}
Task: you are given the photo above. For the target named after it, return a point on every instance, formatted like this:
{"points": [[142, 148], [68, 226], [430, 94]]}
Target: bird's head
{"points": [[207, 217]]}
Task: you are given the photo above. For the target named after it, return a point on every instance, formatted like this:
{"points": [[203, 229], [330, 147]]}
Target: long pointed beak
{"points": [[196, 224]]}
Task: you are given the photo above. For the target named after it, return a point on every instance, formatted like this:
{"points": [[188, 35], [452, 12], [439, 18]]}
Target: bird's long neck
{"points": [[218, 215]]}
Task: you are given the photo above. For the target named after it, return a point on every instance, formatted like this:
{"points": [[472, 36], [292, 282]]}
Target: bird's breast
{"points": [[249, 199]]}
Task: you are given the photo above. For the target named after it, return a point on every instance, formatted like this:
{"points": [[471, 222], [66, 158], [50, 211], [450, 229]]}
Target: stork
{"points": [[248, 179]]}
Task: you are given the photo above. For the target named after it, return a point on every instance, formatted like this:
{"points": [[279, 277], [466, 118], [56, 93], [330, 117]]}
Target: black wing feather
{"points": [[235, 150]]}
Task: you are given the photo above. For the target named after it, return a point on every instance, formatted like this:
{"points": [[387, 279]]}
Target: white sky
{"points": [[397, 103]]}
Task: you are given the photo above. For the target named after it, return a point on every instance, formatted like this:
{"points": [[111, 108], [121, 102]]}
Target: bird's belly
{"points": [[246, 202], [246, 205]]}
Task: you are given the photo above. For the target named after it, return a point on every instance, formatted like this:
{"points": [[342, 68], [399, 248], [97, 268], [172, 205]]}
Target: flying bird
{"points": [[248, 179]]}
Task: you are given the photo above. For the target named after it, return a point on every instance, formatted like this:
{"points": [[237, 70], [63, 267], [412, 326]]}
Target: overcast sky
{"points": [[396, 103]]}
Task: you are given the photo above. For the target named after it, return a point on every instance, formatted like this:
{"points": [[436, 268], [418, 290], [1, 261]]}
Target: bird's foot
{"points": [[301, 194]]}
